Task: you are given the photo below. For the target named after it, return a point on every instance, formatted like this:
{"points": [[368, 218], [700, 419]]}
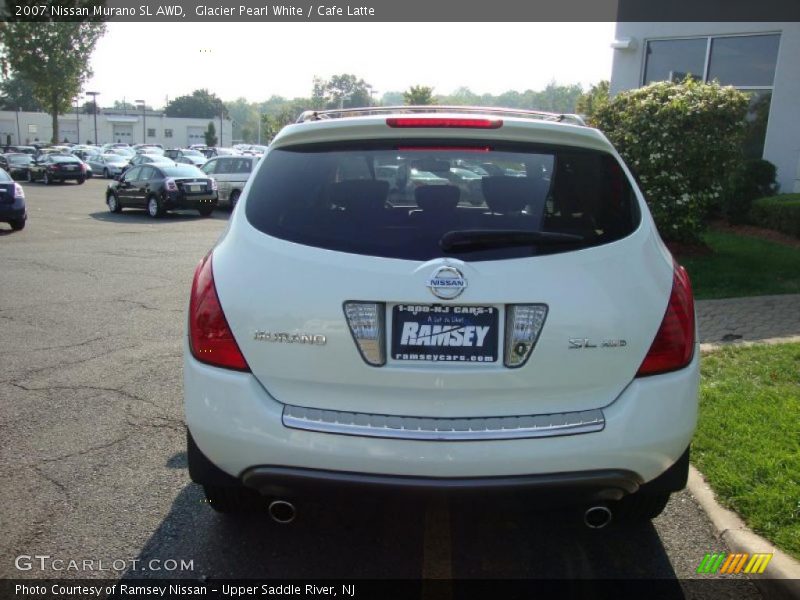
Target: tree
{"points": [[392, 99], [211, 134], [200, 104], [669, 134], [419, 95], [341, 91], [593, 100], [52, 57], [17, 94]]}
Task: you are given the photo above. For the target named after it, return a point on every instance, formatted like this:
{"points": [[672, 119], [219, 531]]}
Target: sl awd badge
{"points": [[447, 283]]}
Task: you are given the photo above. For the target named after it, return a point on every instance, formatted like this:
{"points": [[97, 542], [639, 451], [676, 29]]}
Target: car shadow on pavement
{"points": [[133, 215], [401, 538]]}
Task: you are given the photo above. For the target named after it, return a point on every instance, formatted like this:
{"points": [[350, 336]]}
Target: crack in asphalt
{"points": [[76, 345]]}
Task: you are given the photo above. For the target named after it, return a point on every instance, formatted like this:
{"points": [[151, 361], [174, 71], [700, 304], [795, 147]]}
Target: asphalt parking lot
{"points": [[92, 439]]}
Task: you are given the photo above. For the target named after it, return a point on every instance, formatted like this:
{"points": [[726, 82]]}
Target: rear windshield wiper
{"points": [[470, 240]]}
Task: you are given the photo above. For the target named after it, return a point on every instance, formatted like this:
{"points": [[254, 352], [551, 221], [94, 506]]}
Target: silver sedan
{"points": [[108, 165]]}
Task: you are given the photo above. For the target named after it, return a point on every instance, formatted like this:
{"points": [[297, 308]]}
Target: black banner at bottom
{"points": [[388, 589]]}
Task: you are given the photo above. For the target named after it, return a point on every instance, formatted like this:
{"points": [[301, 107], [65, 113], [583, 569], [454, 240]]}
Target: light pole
{"points": [[221, 124], [94, 96], [78, 119], [19, 135], [144, 120]]}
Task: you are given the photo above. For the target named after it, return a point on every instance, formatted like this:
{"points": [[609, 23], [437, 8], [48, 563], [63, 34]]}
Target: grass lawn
{"points": [[743, 266], [748, 438]]}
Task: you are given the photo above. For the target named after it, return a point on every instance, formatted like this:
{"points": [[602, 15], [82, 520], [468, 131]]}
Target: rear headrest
{"points": [[505, 194], [360, 195], [437, 197]]}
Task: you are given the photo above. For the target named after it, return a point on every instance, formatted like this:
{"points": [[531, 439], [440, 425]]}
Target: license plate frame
{"points": [[453, 334]]}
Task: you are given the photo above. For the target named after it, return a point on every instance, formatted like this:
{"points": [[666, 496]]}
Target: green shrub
{"points": [[682, 139], [756, 179], [781, 213]]}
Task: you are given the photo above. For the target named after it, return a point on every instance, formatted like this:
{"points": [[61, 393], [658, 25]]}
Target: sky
{"points": [[258, 60]]}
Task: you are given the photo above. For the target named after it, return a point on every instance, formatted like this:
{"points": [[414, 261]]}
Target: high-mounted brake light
{"points": [[210, 338], [434, 122], [444, 148], [673, 346]]}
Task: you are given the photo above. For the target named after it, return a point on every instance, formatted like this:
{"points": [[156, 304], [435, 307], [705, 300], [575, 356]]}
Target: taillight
{"points": [[83, 168], [210, 338], [673, 346], [459, 123], [18, 191], [523, 324], [170, 184], [213, 184], [366, 322]]}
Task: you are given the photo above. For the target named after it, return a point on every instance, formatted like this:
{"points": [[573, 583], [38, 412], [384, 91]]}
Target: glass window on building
{"points": [[757, 117], [673, 60], [744, 60], [151, 132]]}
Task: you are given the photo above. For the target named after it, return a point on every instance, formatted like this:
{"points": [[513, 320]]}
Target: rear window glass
{"points": [[183, 171], [4, 176], [398, 200]]}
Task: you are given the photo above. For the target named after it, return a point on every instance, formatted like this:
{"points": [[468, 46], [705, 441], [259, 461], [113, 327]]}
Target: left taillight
{"points": [[213, 184], [210, 337]]}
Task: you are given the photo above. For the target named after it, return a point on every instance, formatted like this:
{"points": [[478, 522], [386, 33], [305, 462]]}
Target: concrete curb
{"points": [[782, 578]]}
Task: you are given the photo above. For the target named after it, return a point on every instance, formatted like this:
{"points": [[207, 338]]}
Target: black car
{"points": [[16, 164], [57, 167], [12, 202], [159, 188]]}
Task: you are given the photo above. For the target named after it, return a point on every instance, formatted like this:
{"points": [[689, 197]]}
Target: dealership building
{"points": [[761, 59], [132, 127]]}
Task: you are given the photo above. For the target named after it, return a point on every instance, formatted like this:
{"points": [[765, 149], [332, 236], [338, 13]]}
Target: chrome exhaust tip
{"points": [[282, 512], [597, 517]]}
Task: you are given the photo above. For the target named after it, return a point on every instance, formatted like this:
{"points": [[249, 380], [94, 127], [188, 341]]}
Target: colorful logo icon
{"points": [[730, 564]]}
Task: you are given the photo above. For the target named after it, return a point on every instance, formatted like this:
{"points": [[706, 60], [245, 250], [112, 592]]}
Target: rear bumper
{"points": [[13, 212], [195, 201], [238, 426]]}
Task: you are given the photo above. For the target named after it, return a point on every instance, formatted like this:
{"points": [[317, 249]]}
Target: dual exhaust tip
{"points": [[597, 517], [284, 512]]}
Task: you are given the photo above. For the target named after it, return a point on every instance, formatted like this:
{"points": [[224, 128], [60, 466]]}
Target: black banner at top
{"points": [[400, 11]]}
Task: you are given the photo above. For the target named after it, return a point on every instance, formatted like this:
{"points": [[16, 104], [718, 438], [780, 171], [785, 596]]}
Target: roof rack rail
{"points": [[339, 113]]}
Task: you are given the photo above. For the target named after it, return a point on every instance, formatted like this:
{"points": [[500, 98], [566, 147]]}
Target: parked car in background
{"points": [[107, 165], [255, 150], [149, 159], [159, 188], [52, 167], [231, 173], [20, 149], [12, 202], [148, 149], [16, 165], [195, 157]]}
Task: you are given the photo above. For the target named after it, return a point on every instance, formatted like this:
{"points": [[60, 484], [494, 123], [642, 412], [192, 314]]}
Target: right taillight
{"points": [[210, 337], [673, 346], [170, 184]]}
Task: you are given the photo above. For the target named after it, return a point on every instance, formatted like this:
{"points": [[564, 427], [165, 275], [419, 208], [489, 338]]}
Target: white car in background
{"points": [[540, 341]]}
